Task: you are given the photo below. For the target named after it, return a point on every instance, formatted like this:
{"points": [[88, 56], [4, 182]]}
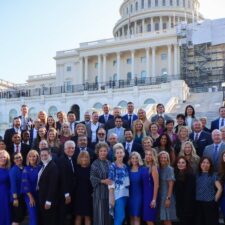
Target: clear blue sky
{"points": [[31, 31]]}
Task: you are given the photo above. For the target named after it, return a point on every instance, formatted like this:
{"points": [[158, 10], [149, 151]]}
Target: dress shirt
{"points": [[129, 146], [94, 128], [35, 131], [15, 148], [197, 135], [221, 122]]}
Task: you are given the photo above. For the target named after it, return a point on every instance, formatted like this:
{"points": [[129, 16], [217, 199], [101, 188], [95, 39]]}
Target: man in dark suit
{"points": [[26, 121], [204, 122], [160, 112], [67, 180], [131, 146], [34, 131], [220, 122], [9, 132], [215, 150], [200, 138], [47, 186], [71, 117], [106, 115], [82, 145], [17, 146], [130, 117]]}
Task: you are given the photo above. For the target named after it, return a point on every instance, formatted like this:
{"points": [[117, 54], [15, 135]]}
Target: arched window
{"points": [[122, 104], [52, 111], [76, 109], [136, 6], [143, 75], [12, 114], [149, 101], [97, 105], [149, 3], [156, 3], [156, 26], [115, 77], [32, 113], [142, 4], [164, 2]]}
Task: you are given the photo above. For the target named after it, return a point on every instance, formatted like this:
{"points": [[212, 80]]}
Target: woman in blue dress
{"points": [[4, 188], [150, 185], [135, 190], [119, 189], [29, 185], [18, 209]]}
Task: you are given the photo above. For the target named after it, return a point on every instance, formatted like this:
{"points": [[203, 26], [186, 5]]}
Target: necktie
{"points": [[71, 162], [130, 120], [17, 148], [106, 118], [128, 147], [222, 122], [196, 137], [215, 155]]}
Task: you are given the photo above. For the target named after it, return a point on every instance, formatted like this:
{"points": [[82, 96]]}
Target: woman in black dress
{"points": [[83, 192], [184, 188]]}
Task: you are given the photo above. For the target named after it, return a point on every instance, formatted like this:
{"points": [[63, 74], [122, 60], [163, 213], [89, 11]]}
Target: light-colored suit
{"points": [[120, 135], [209, 152]]}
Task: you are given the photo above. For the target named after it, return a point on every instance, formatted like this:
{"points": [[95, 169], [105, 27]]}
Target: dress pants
{"points": [[120, 210]]}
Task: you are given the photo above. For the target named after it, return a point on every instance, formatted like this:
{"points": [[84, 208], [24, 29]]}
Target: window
{"points": [[68, 69], [149, 3], [115, 77], [184, 4], [129, 61], [164, 2], [114, 62], [97, 105], [143, 75], [164, 72], [156, 3], [129, 76], [52, 111], [178, 2], [142, 4], [127, 10], [68, 86], [156, 26], [143, 59], [96, 65], [149, 101], [96, 79], [164, 26], [163, 56], [32, 114], [189, 4], [123, 104], [171, 2], [149, 27], [131, 8], [12, 114], [136, 6]]}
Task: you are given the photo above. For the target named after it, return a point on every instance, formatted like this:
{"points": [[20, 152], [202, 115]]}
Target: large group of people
{"points": [[113, 169]]}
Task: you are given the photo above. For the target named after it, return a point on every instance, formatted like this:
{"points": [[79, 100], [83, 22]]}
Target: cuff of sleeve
{"points": [[67, 195], [111, 186], [48, 203]]}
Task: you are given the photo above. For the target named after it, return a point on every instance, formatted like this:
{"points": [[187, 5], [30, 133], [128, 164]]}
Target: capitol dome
{"points": [[142, 16]]}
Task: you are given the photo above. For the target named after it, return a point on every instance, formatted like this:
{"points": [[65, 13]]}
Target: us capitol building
{"points": [[148, 60]]}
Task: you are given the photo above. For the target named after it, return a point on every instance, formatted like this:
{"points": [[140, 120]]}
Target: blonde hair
{"points": [[32, 151], [45, 119], [143, 127], [167, 156], [6, 154], [118, 146], [81, 155], [183, 128], [56, 140], [140, 161], [193, 152], [65, 124], [154, 156], [147, 138]]}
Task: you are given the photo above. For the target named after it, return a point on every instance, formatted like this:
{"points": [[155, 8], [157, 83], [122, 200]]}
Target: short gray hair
{"points": [[68, 143]]}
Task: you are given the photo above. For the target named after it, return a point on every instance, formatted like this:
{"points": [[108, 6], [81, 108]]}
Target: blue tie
{"points": [[222, 122], [215, 155]]}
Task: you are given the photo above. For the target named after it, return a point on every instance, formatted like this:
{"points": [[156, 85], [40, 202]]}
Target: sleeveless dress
{"points": [[135, 191], [149, 214], [4, 197]]}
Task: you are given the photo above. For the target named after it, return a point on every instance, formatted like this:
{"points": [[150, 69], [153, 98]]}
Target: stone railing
{"points": [[41, 76], [171, 103]]}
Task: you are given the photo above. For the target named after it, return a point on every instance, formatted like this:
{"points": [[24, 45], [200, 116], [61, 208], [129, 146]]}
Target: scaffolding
{"points": [[202, 53]]}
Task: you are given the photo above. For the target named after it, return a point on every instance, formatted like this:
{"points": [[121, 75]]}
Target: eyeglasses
{"points": [[101, 134], [18, 157]]}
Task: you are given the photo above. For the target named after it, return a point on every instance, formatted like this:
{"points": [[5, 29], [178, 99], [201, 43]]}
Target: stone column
{"points": [[175, 59], [169, 60], [99, 68], [86, 69], [81, 78], [135, 27], [169, 27], [143, 26], [147, 62], [152, 24], [153, 61], [161, 23], [118, 65], [104, 68], [132, 63]]}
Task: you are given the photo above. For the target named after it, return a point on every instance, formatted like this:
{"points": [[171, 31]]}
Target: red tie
{"points": [[17, 148]]}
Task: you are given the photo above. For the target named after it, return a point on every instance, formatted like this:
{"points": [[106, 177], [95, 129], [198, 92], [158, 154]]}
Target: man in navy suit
{"points": [[220, 122], [215, 150], [131, 146], [106, 115], [26, 121], [130, 117], [200, 138]]}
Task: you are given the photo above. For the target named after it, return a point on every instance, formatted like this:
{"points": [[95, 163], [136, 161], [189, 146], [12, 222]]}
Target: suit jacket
{"points": [[89, 150], [111, 124], [48, 185], [155, 118], [102, 118], [28, 127], [203, 140], [215, 124], [120, 137], [8, 136], [24, 151], [67, 177], [89, 132], [136, 147], [209, 152], [126, 118], [32, 137]]}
